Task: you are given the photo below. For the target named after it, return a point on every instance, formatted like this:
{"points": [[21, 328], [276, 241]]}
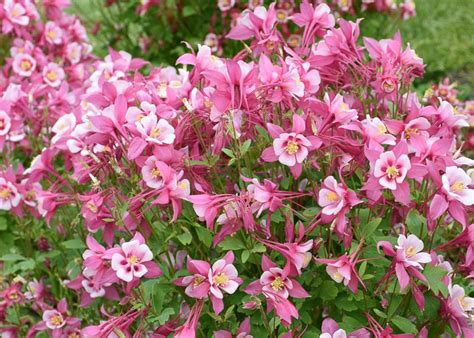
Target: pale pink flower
{"points": [[460, 304], [341, 111], [9, 195], [333, 197], [53, 74], [409, 251], [129, 263], [5, 123], [63, 126], [391, 170], [276, 280], [53, 33], [53, 319], [24, 64], [73, 52], [456, 185], [156, 131], [152, 172], [225, 5], [223, 276], [16, 13]]}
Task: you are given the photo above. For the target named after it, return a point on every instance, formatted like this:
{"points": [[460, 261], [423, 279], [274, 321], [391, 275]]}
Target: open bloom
{"points": [[456, 185], [156, 131], [53, 74], [391, 170], [291, 148], [53, 33], [9, 195], [63, 126], [130, 262], [24, 64], [152, 172], [409, 251], [223, 276], [333, 196], [15, 13], [53, 319], [197, 285], [5, 123]]}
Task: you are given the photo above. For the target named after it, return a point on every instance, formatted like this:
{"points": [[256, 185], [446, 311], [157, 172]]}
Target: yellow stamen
{"points": [[458, 187], [155, 172], [410, 252], [132, 260], [292, 147], [277, 284], [56, 320], [332, 196], [392, 172], [5, 193], [221, 279]]}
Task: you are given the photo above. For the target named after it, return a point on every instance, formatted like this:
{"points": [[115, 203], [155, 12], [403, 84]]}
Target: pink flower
{"points": [[460, 304], [5, 123], [292, 148], [224, 276], [16, 13], [63, 126], [391, 170], [455, 185], [341, 111], [53, 319], [225, 5], [53, 74], [153, 171], [409, 251], [9, 195], [24, 64], [129, 263], [333, 197], [53, 33], [156, 131], [197, 285]]}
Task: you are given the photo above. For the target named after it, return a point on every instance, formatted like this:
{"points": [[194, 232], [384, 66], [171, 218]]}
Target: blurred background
{"points": [[441, 31]]}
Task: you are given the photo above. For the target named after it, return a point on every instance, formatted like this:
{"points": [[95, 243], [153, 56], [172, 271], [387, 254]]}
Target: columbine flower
{"points": [[24, 64], [5, 123], [455, 185], [53, 33], [391, 170], [53, 74], [225, 5], [153, 172], [156, 131], [197, 285], [9, 195], [333, 196], [63, 126], [291, 148], [129, 263], [460, 304], [409, 251], [53, 319], [15, 13]]}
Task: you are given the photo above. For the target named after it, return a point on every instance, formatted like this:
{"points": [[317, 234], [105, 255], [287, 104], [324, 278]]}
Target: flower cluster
{"points": [[292, 189]]}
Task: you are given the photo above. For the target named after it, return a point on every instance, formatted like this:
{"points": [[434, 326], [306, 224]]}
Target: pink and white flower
{"points": [[16, 13], [24, 64], [456, 184], [156, 131], [5, 123], [409, 251], [391, 170], [9, 195], [53, 74], [53, 319], [63, 126], [53, 33], [129, 264]]}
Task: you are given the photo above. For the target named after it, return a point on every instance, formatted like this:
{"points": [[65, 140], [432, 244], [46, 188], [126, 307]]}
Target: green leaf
{"points": [[204, 236], [231, 243], [328, 291], [380, 313], [367, 229], [245, 256], [3, 224], [76, 243], [185, 238], [228, 152], [165, 315], [188, 11], [245, 147], [404, 324], [434, 275], [416, 223], [12, 258]]}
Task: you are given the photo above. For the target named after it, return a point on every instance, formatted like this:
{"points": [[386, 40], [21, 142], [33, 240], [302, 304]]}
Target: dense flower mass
{"points": [[293, 190]]}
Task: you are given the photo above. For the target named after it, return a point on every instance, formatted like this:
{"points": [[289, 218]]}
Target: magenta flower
{"points": [[53, 319], [53, 33], [24, 64], [132, 261]]}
